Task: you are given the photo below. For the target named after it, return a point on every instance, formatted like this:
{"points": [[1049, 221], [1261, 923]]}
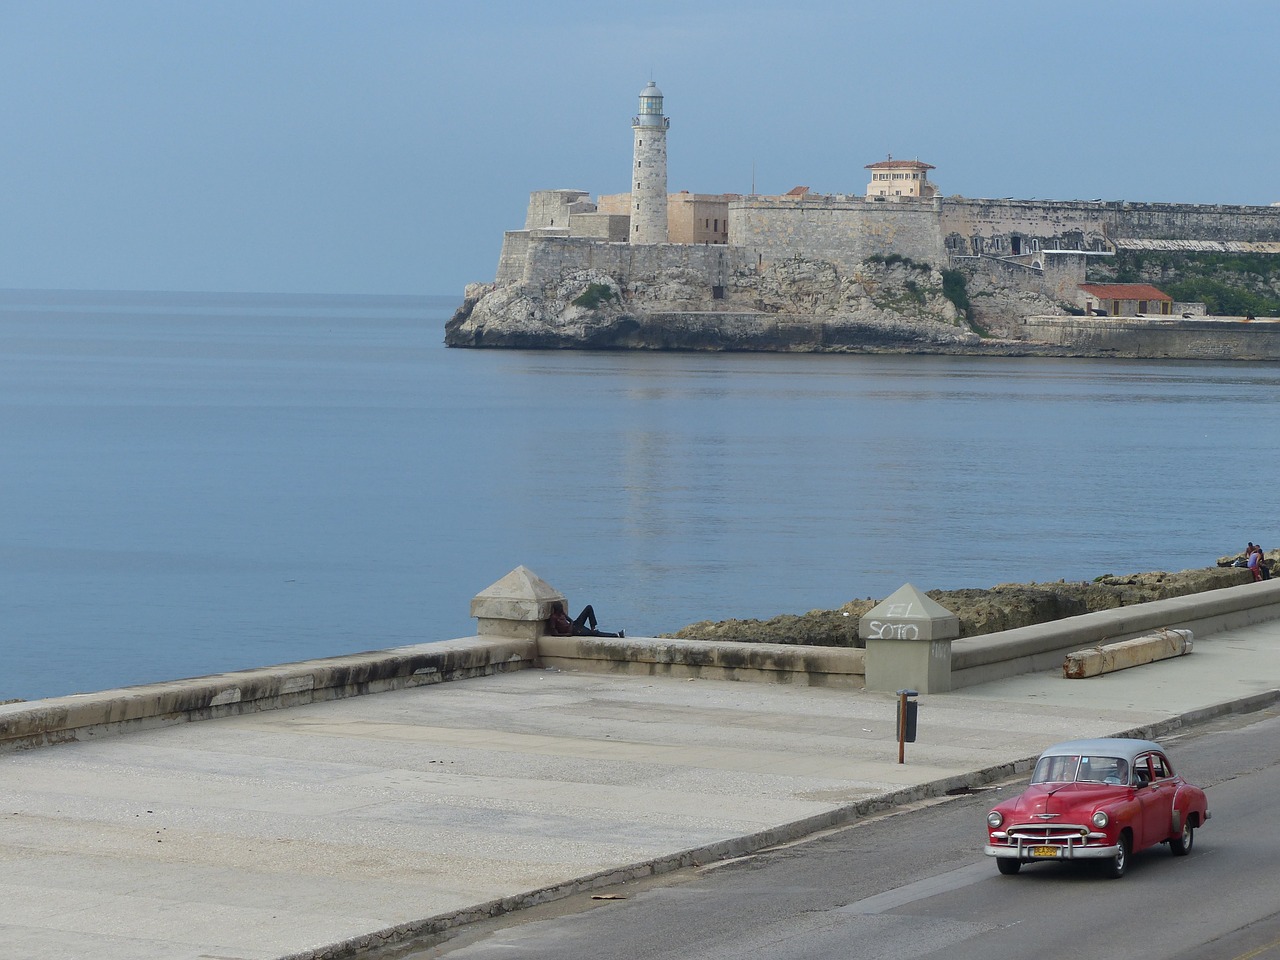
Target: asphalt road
{"points": [[915, 884]]}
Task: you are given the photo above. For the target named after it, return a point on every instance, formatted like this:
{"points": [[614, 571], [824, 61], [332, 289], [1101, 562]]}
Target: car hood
{"points": [[1064, 799]]}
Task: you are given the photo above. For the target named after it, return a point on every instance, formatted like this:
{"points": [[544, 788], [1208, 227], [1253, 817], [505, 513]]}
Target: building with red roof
{"points": [[1125, 299]]}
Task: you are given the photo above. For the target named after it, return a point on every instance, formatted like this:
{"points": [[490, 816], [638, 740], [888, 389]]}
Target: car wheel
{"points": [[1008, 865], [1181, 844], [1120, 862]]}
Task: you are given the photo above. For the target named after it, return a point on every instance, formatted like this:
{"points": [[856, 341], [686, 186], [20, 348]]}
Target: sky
{"points": [[383, 146]]}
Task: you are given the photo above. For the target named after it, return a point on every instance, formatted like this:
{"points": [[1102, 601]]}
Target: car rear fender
{"points": [[1188, 803]]}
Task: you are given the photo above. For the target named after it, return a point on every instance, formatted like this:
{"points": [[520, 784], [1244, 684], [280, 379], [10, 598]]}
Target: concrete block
{"points": [[1107, 658]]}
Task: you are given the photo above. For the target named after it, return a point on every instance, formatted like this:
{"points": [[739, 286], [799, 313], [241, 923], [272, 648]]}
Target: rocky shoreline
{"points": [[981, 611]]}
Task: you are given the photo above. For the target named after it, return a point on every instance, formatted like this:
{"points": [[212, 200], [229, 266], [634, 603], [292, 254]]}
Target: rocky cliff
{"points": [[886, 305]]}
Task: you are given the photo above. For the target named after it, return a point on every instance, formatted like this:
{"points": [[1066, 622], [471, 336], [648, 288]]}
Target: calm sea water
{"points": [[194, 483]]}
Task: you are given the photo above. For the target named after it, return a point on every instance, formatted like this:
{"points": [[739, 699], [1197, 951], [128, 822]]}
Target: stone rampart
{"points": [[550, 208], [547, 260], [841, 230], [1010, 226]]}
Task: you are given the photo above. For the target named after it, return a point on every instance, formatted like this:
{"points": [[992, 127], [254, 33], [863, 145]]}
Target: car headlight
{"points": [[1100, 819], [995, 818]]}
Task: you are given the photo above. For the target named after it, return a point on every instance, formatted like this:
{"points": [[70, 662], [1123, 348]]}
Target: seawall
{"points": [[1158, 339], [973, 660]]}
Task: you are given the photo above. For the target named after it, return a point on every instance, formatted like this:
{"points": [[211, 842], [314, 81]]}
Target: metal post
{"points": [[902, 726], [906, 722]]}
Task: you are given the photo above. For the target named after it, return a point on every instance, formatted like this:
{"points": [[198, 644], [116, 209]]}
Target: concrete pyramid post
{"points": [[908, 637], [516, 607]]}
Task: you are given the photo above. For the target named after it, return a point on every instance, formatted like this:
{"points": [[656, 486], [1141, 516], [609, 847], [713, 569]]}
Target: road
{"points": [[915, 884]]}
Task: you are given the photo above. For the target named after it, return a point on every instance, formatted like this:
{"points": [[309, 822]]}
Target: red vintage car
{"points": [[1101, 800]]}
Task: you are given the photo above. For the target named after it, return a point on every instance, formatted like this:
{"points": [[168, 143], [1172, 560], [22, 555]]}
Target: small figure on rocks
{"points": [[584, 625], [1257, 566]]}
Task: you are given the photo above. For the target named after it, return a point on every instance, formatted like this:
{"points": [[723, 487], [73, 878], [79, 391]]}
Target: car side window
{"points": [[1142, 770], [1160, 768]]}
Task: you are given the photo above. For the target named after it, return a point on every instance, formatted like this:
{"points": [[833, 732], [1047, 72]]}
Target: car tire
{"points": [[1182, 843], [1008, 865], [1118, 864]]}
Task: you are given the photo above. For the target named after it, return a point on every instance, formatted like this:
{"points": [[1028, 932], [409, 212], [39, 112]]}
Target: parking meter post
{"points": [[906, 722], [902, 726]]}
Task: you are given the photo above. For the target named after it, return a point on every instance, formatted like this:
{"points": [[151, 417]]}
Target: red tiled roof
{"points": [[900, 164], [796, 192], [1125, 291]]}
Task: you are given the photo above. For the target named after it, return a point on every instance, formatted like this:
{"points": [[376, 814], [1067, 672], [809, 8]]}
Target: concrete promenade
{"points": [[321, 830]]}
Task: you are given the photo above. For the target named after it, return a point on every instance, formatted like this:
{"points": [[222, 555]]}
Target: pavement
{"points": [[330, 829]]}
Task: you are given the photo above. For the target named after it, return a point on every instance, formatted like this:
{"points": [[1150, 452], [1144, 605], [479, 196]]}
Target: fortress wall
{"points": [[1059, 279], [843, 230], [600, 226], [1081, 223], [1092, 224], [1184, 221], [550, 208], [548, 259], [515, 251]]}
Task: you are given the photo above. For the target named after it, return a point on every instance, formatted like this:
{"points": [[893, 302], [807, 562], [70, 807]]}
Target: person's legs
{"points": [[586, 618]]}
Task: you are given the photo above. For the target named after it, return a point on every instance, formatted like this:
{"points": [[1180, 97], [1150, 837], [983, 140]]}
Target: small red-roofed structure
{"points": [[1125, 300]]}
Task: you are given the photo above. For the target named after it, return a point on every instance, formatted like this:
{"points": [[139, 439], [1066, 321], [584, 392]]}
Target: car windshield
{"points": [[1081, 769]]}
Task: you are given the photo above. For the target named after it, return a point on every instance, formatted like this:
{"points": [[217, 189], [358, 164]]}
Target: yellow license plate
{"points": [[1044, 851]]}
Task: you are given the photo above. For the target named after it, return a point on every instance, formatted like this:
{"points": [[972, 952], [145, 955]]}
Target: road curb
{"points": [[396, 940]]}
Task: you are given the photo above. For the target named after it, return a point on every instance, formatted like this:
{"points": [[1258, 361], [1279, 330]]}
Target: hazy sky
{"points": [[383, 146]]}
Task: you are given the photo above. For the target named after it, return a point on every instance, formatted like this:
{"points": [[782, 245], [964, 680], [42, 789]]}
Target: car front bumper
{"points": [[1026, 851]]}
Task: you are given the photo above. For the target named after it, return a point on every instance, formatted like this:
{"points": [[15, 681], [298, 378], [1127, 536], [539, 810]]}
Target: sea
{"points": [[194, 483]]}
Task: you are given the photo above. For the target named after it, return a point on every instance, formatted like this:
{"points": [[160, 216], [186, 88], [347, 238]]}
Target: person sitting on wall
{"points": [[584, 625]]}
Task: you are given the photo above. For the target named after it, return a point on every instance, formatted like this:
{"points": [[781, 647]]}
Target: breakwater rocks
{"points": [[1002, 607]]}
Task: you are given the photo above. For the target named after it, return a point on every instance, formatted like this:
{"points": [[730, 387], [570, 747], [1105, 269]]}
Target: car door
{"points": [[1156, 800], [1148, 796]]}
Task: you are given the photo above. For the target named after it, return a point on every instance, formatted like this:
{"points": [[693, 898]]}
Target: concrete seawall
{"points": [[1043, 646], [84, 716], [1159, 338], [974, 660]]}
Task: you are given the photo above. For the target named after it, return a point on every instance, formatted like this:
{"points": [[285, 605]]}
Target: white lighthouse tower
{"points": [[649, 178]]}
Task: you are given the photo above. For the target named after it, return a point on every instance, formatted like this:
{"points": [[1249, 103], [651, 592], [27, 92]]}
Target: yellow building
{"points": [[900, 178]]}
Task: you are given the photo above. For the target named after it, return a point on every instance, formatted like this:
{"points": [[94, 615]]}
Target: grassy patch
{"points": [[594, 295]]}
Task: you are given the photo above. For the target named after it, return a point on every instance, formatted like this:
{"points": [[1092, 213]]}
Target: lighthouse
{"points": [[649, 178]]}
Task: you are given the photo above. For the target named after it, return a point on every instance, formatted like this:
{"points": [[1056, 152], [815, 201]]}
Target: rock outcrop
{"points": [[886, 305]]}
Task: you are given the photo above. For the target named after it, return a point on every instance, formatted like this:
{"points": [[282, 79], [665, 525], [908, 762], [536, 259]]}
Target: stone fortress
{"points": [[895, 267]]}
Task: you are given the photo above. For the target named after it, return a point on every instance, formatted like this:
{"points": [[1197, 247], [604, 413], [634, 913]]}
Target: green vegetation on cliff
{"points": [[956, 289], [593, 296]]}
